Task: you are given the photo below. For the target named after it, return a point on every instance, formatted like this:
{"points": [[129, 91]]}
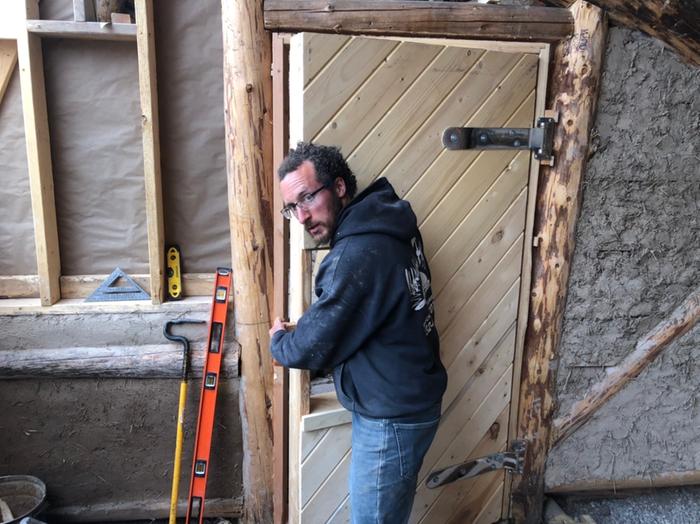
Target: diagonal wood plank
{"points": [[8, 61], [477, 349], [309, 440], [329, 496], [467, 436], [491, 512], [414, 107], [470, 493], [375, 98], [344, 74], [323, 459], [342, 514], [469, 401], [450, 282], [504, 109], [319, 49], [476, 309], [467, 192], [465, 99], [475, 363]]}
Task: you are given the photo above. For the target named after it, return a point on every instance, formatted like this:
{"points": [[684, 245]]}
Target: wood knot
{"points": [[494, 430], [249, 88]]}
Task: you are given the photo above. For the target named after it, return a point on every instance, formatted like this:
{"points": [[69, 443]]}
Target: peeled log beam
{"points": [[248, 138], [674, 22], [574, 86], [647, 349], [146, 361], [420, 19]]}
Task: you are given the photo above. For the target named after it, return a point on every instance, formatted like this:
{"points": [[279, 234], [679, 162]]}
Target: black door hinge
{"points": [[510, 461], [539, 139]]}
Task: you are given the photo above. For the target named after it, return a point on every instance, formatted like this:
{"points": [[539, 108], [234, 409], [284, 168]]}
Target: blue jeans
{"points": [[387, 455]]}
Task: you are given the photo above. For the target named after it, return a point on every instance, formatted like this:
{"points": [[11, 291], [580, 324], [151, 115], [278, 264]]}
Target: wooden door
{"points": [[385, 102]]}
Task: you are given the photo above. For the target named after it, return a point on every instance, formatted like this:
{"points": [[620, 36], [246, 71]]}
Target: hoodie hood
{"points": [[377, 209]]}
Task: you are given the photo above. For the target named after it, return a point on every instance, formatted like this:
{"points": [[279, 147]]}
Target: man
{"points": [[373, 322]]}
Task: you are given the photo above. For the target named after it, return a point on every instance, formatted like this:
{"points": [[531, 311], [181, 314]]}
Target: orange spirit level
{"points": [[207, 401]]}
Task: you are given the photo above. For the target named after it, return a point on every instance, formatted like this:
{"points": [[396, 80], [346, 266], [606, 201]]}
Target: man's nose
{"points": [[302, 215]]}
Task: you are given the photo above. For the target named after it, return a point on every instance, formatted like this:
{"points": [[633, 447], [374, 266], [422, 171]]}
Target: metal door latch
{"points": [[510, 461], [539, 139]]}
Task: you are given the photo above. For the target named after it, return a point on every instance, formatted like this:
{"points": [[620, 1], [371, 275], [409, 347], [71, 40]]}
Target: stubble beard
{"points": [[330, 226]]}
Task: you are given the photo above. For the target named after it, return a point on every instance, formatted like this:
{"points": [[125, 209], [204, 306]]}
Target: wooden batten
{"points": [[84, 10], [683, 318], [82, 30], [248, 137], [280, 396], [419, 19], [36, 130], [146, 51], [8, 61], [574, 87]]}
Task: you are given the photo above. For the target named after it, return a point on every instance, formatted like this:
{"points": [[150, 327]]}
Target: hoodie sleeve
{"points": [[346, 313]]}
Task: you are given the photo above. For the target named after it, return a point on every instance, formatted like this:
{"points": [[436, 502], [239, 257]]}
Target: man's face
{"points": [[319, 216]]}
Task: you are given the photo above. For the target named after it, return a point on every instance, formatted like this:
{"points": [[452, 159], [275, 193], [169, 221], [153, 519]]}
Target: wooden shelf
{"points": [[82, 30]]}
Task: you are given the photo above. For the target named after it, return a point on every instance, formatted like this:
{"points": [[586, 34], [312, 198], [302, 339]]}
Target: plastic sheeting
{"points": [[96, 150], [17, 253], [190, 98], [94, 121]]}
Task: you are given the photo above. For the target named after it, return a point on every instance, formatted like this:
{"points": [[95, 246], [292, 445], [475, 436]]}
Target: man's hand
{"points": [[278, 325]]}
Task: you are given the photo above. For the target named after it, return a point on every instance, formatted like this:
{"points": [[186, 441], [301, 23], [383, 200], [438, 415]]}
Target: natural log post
{"points": [[247, 106], [674, 22], [419, 19], [647, 349], [573, 89]]}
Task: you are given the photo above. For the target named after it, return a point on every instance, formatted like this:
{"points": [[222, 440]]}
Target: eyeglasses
{"points": [[306, 202]]}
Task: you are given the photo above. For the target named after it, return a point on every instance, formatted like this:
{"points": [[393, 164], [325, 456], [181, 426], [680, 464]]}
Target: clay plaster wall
{"points": [[110, 441], [637, 258]]}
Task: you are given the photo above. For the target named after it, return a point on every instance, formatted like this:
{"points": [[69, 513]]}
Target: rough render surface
{"points": [[636, 259], [109, 441]]}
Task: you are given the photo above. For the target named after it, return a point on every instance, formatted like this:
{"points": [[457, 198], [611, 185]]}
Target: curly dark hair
{"points": [[327, 160]]}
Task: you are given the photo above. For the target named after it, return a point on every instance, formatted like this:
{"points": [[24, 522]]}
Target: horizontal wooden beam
{"points": [[133, 361], [82, 30], [420, 19], [611, 486], [683, 318], [674, 22], [81, 286]]}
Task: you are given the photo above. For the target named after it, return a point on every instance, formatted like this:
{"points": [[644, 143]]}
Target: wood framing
{"points": [[674, 22], [36, 130], [574, 91], [248, 137], [84, 10], [681, 320], [146, 51], [280, 398], [8, 61], [419, 19], [83, 30]]}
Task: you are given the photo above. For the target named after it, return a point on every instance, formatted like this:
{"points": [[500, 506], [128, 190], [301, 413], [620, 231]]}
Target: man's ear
{"points": [[340, 188]]}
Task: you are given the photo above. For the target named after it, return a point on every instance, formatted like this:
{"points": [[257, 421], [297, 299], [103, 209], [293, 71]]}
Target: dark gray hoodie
{"points": [[373, 321]]}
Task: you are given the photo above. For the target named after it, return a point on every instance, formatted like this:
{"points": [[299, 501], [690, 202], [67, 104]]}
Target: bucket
{"points": [[23, 494]]}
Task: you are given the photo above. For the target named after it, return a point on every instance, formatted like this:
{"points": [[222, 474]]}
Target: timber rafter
{"points": [[674, 22], [420, 19]]}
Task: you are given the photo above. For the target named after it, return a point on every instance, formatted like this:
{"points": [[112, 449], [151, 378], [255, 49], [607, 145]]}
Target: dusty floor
{"points": [[663, 506]]}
